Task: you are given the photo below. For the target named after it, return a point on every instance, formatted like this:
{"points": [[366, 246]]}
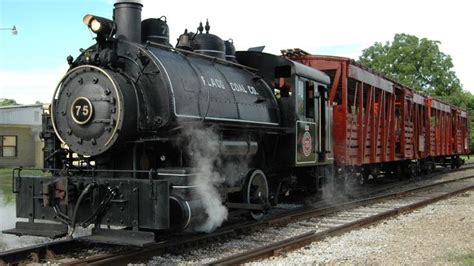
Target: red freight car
{"points": [[384, 127]]}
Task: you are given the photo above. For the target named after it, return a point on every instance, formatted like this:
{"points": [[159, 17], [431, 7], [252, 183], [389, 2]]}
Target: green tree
{"points": [[6, 102], [416, 63]]}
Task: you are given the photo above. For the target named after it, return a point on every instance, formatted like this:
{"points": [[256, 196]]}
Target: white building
{"points": [[20, 144]]}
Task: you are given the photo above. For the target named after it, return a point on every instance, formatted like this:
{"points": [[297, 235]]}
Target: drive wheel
{"points": [[256, 191]]}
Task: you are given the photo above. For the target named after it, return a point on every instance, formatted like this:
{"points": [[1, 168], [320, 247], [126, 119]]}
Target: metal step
{"points": [[38, 229]]}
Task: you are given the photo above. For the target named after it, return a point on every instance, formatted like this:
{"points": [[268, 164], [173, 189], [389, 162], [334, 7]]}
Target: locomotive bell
{"points": [[184, 40]]}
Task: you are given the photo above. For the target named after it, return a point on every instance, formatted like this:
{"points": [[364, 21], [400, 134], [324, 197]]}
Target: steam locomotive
{"points": [[143, 137]]}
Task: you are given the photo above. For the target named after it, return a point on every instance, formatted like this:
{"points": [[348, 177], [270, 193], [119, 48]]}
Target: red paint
{"points": [[373, 125]]}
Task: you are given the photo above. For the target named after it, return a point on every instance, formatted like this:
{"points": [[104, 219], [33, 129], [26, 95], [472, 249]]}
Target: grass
{"points": [[465, 157], [5, 177], [464, 259], [6, 185], [6, 182]]}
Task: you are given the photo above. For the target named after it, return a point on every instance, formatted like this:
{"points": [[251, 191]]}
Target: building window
{"points": [[8, 146]]}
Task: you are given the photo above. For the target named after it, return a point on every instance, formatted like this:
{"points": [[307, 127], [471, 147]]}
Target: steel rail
{"points": [[34, 253], [286, 245]]}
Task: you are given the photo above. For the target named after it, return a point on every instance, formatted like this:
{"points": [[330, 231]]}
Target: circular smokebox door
{"points": [[81, 110]]}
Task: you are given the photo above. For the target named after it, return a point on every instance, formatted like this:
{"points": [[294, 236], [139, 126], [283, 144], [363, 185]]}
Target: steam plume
{"points": [[204, 150]]}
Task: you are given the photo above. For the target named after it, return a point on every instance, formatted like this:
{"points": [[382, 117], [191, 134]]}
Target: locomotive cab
{"points": [[305, 112], [306, 117]]}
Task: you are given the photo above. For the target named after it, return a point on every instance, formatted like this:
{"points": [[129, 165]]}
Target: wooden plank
{"points": [[366, 77]]}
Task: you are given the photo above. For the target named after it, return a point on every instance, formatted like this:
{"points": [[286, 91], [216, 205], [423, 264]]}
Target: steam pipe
{"points": [[236, 147]]}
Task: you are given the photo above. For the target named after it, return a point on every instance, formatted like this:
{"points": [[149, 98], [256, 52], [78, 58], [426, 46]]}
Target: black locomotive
{"points": [[143, 136]]}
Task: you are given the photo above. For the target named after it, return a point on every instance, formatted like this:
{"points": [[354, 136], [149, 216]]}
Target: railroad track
{"points": [[353, 216], [57, 251], [302, 218]]}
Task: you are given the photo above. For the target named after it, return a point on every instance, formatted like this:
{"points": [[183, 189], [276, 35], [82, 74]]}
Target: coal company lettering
{"points": [[241, 88], [214, 83], [237, 87]]}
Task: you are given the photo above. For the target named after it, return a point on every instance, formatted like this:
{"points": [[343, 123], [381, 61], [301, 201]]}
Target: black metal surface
{"points": [[209, 44], [151, 207], [38, 229], [230, 50], [93, 109], [127, 16], [155, 30], [217, 92]]}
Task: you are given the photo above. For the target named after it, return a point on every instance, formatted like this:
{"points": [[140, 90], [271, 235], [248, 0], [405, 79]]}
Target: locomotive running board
{"points": [[121, 237], [38, 229]]}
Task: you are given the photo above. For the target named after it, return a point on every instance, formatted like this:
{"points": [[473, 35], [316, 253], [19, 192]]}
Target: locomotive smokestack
{"points": [[128, 17]]}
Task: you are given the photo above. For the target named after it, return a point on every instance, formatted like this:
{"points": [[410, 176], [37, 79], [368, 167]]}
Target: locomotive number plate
{"points": [[81, 110]]}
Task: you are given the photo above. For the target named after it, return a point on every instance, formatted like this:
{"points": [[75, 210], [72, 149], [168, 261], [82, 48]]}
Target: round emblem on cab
{"points": [[81, 110], [307, 144]]}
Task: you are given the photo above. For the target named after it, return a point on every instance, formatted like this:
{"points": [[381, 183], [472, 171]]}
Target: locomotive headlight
{"points": [[95, 26], [101, 26]]}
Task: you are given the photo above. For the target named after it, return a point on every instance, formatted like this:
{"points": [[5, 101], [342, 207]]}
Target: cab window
{"points": [[305, 98], [300, 98]]}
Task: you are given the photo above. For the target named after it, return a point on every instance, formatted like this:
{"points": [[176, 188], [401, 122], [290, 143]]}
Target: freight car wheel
{"points": [[256, 191]]}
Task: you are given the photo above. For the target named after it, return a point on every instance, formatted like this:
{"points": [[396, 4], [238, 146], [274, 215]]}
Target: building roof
{"points": [[21, 114], [21, 106]]}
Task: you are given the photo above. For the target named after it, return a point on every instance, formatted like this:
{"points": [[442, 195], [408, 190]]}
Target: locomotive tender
{"points": [[146, 137]]}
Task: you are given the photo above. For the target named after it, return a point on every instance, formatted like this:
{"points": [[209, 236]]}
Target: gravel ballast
{"points": [[437, 234]]}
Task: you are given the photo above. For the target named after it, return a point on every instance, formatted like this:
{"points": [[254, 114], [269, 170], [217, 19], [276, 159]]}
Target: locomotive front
{"points": [[92, 108], [114, 139]]}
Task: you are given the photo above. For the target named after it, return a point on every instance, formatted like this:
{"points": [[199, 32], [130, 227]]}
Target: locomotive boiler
{"points": [[143, 137]]}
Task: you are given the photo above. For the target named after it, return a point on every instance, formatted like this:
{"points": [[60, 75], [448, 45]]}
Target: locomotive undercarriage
{"points": [[164, 201]]}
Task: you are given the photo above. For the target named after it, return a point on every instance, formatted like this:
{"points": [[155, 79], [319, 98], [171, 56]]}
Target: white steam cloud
{"points": [[8, 214], [204, 151]]}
